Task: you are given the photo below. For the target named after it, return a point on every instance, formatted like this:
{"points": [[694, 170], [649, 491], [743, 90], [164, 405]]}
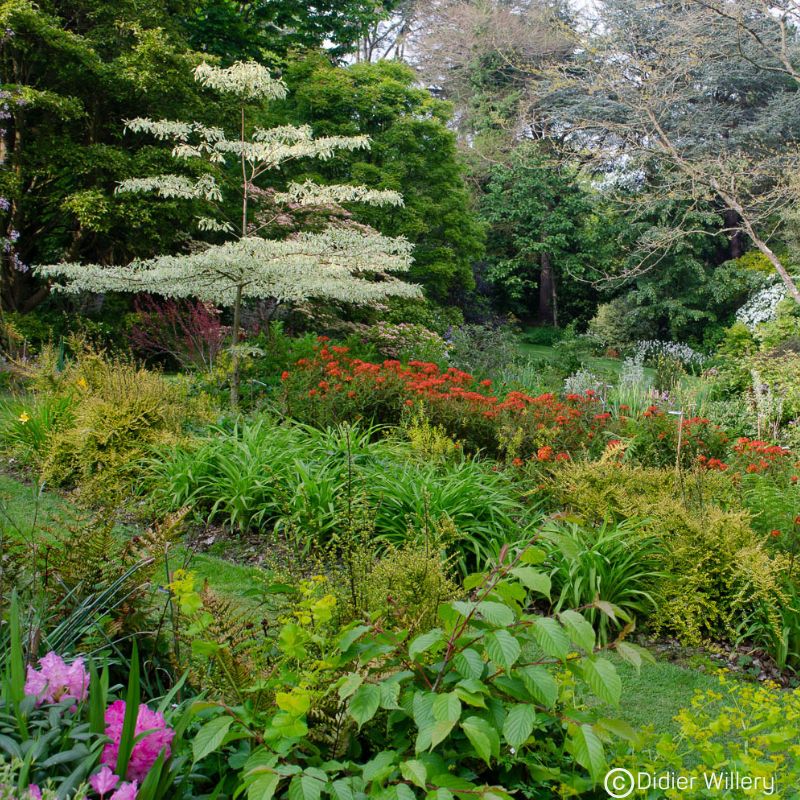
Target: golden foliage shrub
{"points": [[719, 572], [120, 412]]}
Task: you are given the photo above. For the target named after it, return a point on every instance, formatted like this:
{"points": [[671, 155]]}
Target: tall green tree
{"points": [[544, 231], [413, 152], [243, 29], [71, 73]]}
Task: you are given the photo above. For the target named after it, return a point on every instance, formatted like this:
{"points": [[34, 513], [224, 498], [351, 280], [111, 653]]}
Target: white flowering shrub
{"points": [[343, 261], [649, 350], [632, 373], [762, 306], [407, 341]]}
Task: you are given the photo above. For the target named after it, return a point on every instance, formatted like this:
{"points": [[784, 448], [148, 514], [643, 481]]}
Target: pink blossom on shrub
{"points": [[104, 781], [34, 791], [55, 681], [126, 791], [146, 750]]}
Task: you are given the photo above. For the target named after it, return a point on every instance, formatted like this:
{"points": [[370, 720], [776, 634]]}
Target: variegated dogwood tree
{"points": [[342, 261]]}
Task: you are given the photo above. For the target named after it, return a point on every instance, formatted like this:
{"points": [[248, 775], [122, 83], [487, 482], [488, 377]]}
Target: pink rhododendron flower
{"points": [[104, 781], [146, 750], [55, 681], [126, 791], [34, 791]]}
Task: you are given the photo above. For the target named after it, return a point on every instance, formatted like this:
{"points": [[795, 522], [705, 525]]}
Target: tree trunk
{"points": [[236, 365], [735, 238], [547, 292]]}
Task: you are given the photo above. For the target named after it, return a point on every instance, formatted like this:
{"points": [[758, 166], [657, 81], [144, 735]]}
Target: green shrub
{"points": [[718, 569], [403, 586], [542, 335], [407, 342], [780, 371], [119, 413], [486, 703], [610, 324], [422, 312], [483, 350]]}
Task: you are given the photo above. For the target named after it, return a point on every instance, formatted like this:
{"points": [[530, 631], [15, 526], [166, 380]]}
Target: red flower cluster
{"points": [[332, 386], [758, 456], [468, 408], [712, 463]]}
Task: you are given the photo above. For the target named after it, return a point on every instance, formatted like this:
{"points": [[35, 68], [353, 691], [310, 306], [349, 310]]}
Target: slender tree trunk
{"points": [[735, 243], [546, 291], [236, 370], [555, 299], [235, 329]]}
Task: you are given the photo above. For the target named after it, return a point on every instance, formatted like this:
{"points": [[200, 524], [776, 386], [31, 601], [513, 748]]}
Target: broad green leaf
{"points": [[286, 726], [471, 691], [550, 636], [494, 613], [469, 663], [305, 787], [291, 641], [588, 750], [447, 707], [533, 580], [602, 678], [390, 691], [633, 654], [415, 772], [349, 637], [342, 790], [579, 629], [474, 579], [424, 642], [503, 649], [404, 792], [364, 703], [619, 728], [263, 787], [533, 555], [210, 737], [440, 731], [483, 737], [519, 725], [380, 767], [349, 685], [297, 702], [541, 684]]}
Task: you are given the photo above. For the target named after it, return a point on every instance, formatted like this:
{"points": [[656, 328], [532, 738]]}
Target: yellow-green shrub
{"points": [[407, 584], [748, 728], [119, 411], [718, 570]]}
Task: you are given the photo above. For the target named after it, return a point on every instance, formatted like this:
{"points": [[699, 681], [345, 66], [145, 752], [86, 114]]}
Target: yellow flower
{"points": [[82, 383], [23, 418]]}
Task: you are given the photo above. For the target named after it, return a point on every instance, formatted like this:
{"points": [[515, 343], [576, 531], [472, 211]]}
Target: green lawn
{"points": [[656, 694], [608, 368]]}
